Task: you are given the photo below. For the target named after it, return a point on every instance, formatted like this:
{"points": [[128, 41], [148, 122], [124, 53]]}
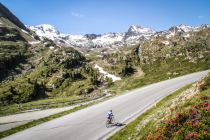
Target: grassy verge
{"points": [[43, 104], [40, 104]]}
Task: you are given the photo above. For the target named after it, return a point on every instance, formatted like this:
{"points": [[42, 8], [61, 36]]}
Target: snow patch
{"points": [[165, 42], [187, 35], [51, 47], [106, 74], [24, 31], [34, 42]]}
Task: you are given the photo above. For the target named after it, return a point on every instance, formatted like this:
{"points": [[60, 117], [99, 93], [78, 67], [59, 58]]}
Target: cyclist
{"points": [[110, 116]]}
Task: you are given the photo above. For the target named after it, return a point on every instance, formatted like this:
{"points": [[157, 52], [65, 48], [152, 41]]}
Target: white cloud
{"points": [[201, 17], [76, 14]]}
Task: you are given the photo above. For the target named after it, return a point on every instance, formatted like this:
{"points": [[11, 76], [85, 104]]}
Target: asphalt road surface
{"points": [[89, 123]]}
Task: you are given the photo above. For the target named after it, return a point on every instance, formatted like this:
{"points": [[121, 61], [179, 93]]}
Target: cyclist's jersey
{"points": [[109, 115]]}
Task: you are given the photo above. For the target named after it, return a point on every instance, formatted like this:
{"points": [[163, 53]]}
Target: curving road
{"points": [[89, 123]]}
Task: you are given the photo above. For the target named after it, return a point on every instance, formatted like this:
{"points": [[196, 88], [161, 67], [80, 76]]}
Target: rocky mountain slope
{"points": [[14, 38], [183, 49], [177, 42]]}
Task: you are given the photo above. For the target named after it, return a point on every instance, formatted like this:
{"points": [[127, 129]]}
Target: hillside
{"points": [[14, 43], [43, 70], [156, 60]]}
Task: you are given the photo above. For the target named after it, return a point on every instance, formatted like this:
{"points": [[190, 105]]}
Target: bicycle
{"points": [[110, 122]]}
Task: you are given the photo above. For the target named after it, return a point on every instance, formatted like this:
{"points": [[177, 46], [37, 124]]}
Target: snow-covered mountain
{"points": [[45, 31], [138, 31], [137, 35], [181, 30], [134, 36]]}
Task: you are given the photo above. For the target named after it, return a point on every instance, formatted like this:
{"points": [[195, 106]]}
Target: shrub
{"points": [[191, 124]]}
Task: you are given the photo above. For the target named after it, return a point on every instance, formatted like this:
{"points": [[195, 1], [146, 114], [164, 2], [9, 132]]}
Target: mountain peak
{"points": [[48, 28], [137, 29], [182, 28], [45, 30]]}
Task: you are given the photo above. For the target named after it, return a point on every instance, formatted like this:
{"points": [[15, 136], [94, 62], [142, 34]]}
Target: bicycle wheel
{"points": [[107, 123], [113, 120]]}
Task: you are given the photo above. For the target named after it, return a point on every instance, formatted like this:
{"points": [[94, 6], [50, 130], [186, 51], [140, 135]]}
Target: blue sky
{"points": [[101, 16]]}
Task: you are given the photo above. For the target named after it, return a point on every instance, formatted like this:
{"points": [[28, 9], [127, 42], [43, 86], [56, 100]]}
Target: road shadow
{"points": [[119, 124], [116, 124]]}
